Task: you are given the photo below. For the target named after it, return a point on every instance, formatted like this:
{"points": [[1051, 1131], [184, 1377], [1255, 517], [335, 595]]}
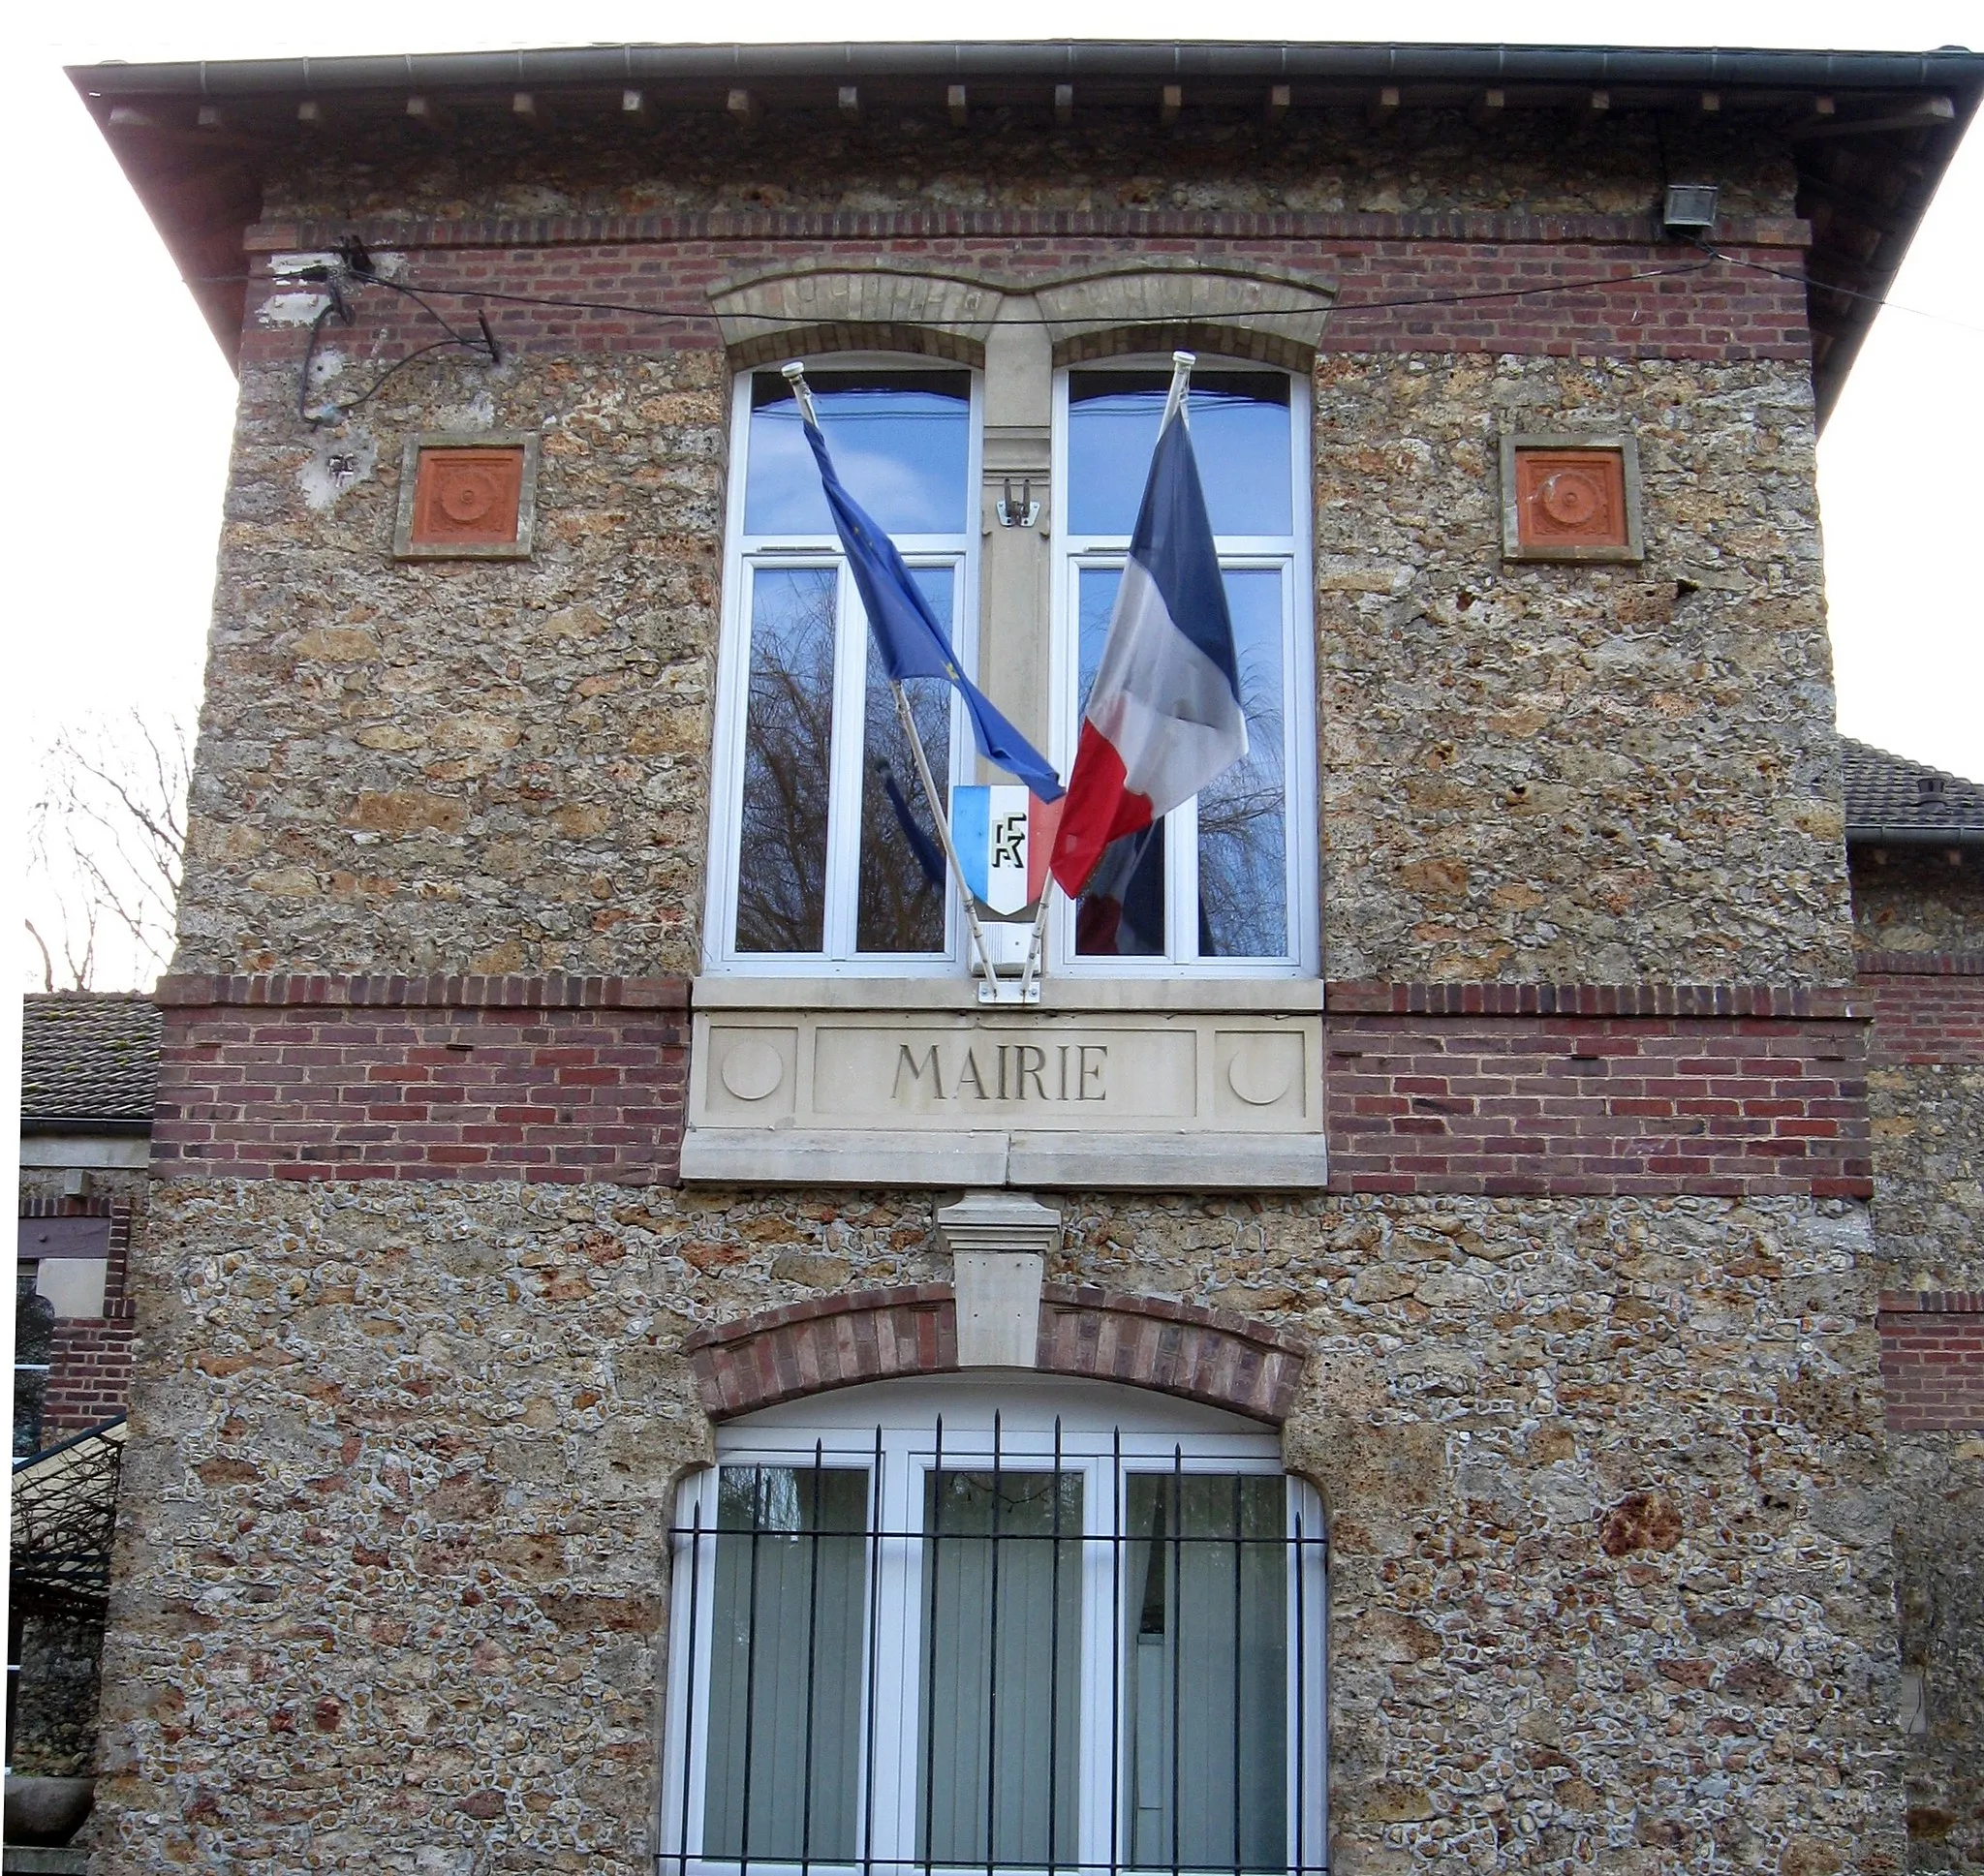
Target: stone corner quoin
{"points": [[1633, 1288]]}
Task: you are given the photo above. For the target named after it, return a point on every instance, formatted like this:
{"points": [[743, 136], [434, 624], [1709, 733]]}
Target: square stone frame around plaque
{"points": [[1621, 442], [406, 548]]}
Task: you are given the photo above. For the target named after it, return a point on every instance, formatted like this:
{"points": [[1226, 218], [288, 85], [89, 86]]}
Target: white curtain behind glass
{"points": [[1001, 1722], [790, 1570], [1206, 1676]]}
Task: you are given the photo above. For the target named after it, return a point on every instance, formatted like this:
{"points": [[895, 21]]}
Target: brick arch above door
{"points": [[1210, 1356]]}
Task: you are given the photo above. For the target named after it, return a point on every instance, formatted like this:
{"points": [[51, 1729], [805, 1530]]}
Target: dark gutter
{"points": [[1872, 834], [1048, 59], [43, 1126]]}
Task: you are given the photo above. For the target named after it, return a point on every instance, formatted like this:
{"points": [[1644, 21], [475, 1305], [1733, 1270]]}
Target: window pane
{"points": [[1243, 873], [1205, 1635], [901, 444], [786, 1664], [1239, 434], [901, 865], [787, 749], [1122, 913], [1001, 1669]]}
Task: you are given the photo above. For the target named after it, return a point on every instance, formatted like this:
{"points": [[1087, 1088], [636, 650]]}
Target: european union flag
{"points": [[907, 634]]}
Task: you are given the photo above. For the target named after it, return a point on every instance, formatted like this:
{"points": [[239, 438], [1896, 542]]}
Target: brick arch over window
{"points": [[1206, 1355], [1241, 313], [809, 310]]}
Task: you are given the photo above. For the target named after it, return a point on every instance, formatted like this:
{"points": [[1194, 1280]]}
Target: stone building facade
{"points": [[1523, 1201]]}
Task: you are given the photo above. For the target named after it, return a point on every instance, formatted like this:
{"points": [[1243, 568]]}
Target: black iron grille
{"points": [[1126, 1687]]}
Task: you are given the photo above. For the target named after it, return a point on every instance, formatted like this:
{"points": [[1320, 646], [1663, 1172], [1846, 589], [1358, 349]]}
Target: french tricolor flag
{"points": [[1164, 717]]}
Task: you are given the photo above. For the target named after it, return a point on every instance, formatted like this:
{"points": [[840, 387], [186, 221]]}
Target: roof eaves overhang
{"points": [[1867, 170], [1952, 838]]}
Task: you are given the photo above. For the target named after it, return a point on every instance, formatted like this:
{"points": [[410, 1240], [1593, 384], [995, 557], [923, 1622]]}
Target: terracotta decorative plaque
{"points": [[1570, 498], [467, 497]]}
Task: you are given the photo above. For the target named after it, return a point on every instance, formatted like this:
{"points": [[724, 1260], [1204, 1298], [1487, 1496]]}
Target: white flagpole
{"points": [[795, 376], [1175, 404]]}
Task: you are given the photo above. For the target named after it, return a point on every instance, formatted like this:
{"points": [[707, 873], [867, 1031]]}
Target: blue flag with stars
{"points": [[907, 635]]}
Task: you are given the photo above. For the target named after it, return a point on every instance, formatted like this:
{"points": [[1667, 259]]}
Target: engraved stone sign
{"points": [[1181, 1100]]}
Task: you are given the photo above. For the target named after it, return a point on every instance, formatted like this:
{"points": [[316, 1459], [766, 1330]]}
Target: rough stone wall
{"points": [[411, 766], [41, 1186], [1939, 1485], [1610, 1561], [1926, 1067], [1574, 772], [1918, 902], [55, 1715], [1926, 1103], [1545, 163]]}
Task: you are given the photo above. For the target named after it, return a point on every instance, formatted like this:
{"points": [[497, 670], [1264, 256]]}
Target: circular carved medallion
{"points": [[1572, 498], [1258, 1073], [751, 1070], [467, 495]]}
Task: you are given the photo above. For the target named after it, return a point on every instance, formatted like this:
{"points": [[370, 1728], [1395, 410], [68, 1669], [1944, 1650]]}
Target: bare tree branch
{"points": [[107, 833], [48, 963]]}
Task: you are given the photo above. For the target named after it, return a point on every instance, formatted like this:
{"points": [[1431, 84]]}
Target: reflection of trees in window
{"points": [[901, 893], [1243, 878], [788, 747], [34, 1343]]}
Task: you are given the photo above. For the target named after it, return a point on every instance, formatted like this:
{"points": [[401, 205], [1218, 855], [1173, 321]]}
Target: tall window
{"points": [[822, 841], [978, 1627], [1227, 881]]}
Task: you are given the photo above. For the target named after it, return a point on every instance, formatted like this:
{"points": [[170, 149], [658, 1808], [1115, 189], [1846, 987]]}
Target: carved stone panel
{"points": [[948, 1098]]}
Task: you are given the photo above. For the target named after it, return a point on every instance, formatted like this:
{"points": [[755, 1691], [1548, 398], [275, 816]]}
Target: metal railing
{"points": [[1293, 1821]]}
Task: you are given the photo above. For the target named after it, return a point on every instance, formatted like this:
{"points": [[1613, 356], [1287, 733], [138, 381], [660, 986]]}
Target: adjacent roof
{"points": [[1872, 132], [1894, 802], [89, 1062]]}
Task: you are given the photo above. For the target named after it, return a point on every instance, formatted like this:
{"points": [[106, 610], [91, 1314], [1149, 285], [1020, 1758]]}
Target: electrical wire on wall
{"points": [[355, 268]]}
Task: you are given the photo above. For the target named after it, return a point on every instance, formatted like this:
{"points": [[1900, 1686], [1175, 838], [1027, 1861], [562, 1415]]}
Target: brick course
{"points": [[1503, 1089], [1498, 291], [1208, 1355], [464, 1077], [1928, 1008], [1931, 1360]]}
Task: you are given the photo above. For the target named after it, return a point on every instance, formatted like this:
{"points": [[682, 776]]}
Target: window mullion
{"points": [[849, 734]]}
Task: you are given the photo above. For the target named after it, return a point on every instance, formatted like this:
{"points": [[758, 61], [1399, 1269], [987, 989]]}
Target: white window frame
{"points": [[743, 555], [1291, 553], [842, 1428]]}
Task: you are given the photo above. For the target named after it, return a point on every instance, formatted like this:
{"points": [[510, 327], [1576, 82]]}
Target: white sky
{"points": [[122, 403]]}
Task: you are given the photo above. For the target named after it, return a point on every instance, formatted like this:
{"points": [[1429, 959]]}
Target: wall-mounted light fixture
{"points": [[1690, 209]]}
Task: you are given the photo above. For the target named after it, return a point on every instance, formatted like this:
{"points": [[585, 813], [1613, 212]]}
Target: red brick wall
{"points": [[670, 262], [1928, 1006], [1931, 1360], [1209, 1355], [327, 1077], [1636, 1089]]}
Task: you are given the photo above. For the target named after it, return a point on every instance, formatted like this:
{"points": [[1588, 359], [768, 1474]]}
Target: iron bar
{"points": [[750, 1668], [689, 1701], [1118, 1652], [812, 1662], [1239, 1564], [992, 1670], [1177, 1639], [1301, 1663], [1054, 1659], [874, 1663], [930, 1697]]}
